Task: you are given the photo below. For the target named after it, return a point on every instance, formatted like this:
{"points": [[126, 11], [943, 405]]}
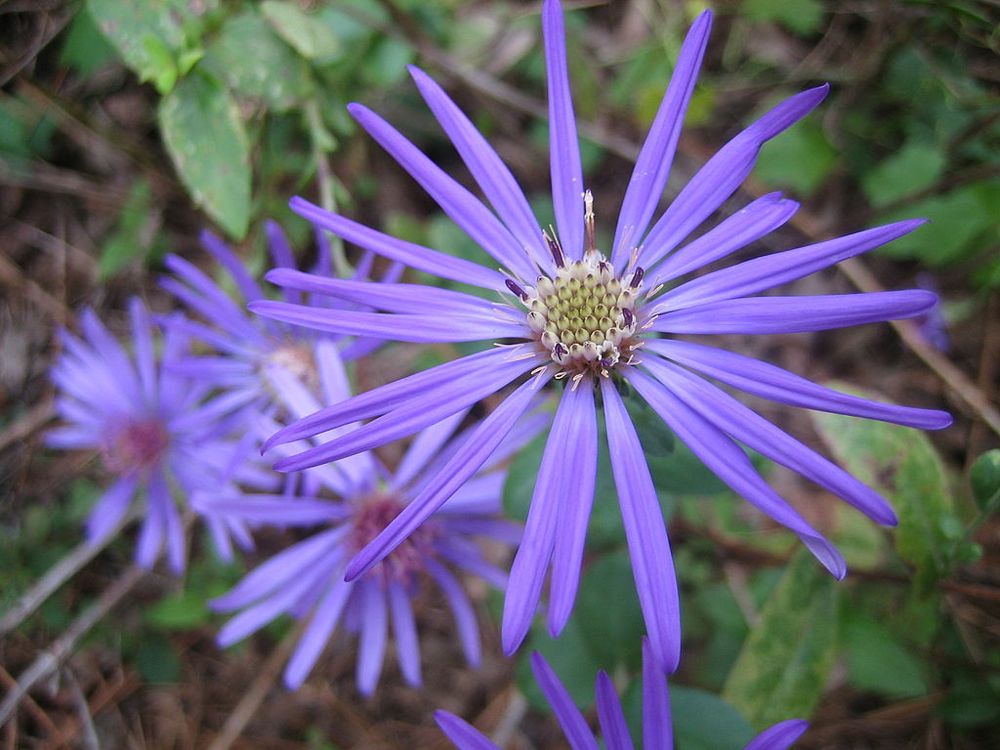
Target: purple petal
{"points": [[759, 315], [415, 256], [374, 633], [556, 488], [780, 736], [317, 633], [464, 208], [745, 425], [419, 413], [397, 298], [645, 532], [404, 630], [108, 512], [142, 339], [461, 733], [657, 726], [564, 150], [154, 526], [474, 452], [205, 297], [772, 382], [228, 259], [425, 446], [573, 724], [159, 495], [487, 168], [461, 607], [614, 730], [574, 508], [722, 175], [744, 227], [273, 510], [652, 168], [723, 457], [759, 274]]}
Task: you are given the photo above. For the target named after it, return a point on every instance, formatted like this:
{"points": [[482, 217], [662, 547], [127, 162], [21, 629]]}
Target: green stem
{"points": [[322, 143]]}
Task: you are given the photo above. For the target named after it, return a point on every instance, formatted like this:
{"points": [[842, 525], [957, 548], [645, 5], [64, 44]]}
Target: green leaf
{"points": [[804, 17], [704, 721], [785, 663], [985, 478], [913, 168], [85, 49], [611, 626], [129, 241], [184, 611], [157, 660], [385, 63], [878, 661], [306, 32], [569, 656], [254, 62], [206, 141], [799, 159], [902, 463]]}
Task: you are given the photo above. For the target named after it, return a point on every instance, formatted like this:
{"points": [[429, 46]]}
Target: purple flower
{"points": [[657, 727], [146, 422], [247, 350], [306, 580], [570, 313]]}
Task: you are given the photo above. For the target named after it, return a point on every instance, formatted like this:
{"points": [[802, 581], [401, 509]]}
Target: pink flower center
{"points": [[405, 563], [136, 446]]}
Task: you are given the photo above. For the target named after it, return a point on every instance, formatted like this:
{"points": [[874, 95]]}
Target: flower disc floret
{"points": [[137, 445], [405, 564]]}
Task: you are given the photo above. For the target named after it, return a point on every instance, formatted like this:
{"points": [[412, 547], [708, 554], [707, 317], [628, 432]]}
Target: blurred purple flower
{"points": [[247, 350], [148, 424], [307, 579], [595, 322], [657, 726]]}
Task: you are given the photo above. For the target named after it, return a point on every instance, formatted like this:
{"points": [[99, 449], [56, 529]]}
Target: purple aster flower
{"points": [[306, 580], [657, 726], [593, 321], [147, 423], [247, 350]]}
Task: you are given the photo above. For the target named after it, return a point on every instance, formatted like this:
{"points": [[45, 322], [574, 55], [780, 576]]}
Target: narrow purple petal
{"points": [[774, 383], [466, 462], [574, 507], [743, 228], [142, 339], [419, 412], [751, 429], [570, 719], [424, 447], [272, 510], [461, 608], [464, 208], [108, 512], [645, 532], [723, 457], [759, 315], [415, 256], [657, 725], [564, 150], [461, 733], [205, 297], [404, 630], [159, 494], [374, 634], [115, 361], [317, 633], [614, 730], [722, 175], [396, 298], [488, 169], [233, 264], [780, 736], [759, 274], [154, 526], [427, 329], [652, 168]]}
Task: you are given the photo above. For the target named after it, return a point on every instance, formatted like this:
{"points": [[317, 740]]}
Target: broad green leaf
{"points": [[306, 32], [85, 49], [804, 17], [206, 141], [786, 661], [903, 465], [913, 168], [385, 64], [704, 721], [129, 241], [254, 62], [799, 159], [985, 478], [181, 612], [611, 626], [878, 661]]}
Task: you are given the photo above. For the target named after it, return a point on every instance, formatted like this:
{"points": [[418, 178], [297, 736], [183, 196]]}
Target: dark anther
{"points": [[513, 286], [636, 278], [555, 248], [629, 317], [559, 350]]}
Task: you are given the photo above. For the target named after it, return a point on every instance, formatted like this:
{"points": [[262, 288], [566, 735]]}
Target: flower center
{"points": [[405, 563], [297, 359], [136, 445]]}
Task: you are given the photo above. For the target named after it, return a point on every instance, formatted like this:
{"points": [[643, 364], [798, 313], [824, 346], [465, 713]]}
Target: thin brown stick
{"points": [[27, 423], [32, 708]]}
